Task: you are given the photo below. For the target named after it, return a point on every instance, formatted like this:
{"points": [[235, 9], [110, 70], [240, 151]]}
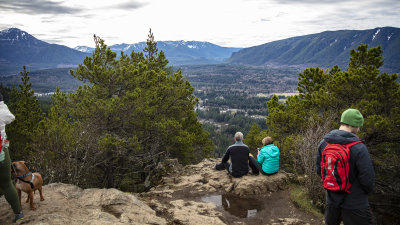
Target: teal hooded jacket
{"points": [[269, 158]]}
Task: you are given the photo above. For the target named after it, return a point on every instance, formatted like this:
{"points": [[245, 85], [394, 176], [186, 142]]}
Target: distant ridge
{"points": [[178, 52], [18, 48], [323, 49]]}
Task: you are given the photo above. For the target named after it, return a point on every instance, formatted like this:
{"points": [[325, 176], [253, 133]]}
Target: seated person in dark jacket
{"points": [[238, 154]]}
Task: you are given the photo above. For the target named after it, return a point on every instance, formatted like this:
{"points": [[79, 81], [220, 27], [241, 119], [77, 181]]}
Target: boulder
{"points": [[69, 204], [203, 177]]}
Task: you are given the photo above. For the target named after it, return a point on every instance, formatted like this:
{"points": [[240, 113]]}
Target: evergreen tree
{"points": [[135, 112], [325, 94], [26, 109], [5, 91], [56, 152]]}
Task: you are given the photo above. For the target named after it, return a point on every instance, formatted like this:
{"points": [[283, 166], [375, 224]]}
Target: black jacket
{"points": [[239, 155], [361, 173]]}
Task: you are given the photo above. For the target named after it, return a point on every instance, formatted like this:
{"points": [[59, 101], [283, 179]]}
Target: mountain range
{"points": [[178, 52], [323, 49], [18, 48]]}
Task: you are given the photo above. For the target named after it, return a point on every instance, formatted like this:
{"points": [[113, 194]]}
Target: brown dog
{"points": [[27, 182]]}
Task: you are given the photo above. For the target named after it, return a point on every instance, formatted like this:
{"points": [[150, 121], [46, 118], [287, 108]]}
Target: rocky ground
{"points": [[196, 194]]}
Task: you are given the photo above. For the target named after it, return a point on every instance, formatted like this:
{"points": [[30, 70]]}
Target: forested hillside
{"points": [[324, 49]]}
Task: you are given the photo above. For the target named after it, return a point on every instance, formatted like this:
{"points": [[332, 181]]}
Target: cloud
{"points": [[311, 1], [4, 26], [280, 14], [385, 4], [54, 39], [129, 5], [36, 7]]}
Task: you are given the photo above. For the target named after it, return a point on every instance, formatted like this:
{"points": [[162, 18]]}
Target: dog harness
{"points": [[21, 178]]}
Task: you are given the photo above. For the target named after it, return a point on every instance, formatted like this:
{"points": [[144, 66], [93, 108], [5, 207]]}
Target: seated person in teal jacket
{"points": [[268, 158]]}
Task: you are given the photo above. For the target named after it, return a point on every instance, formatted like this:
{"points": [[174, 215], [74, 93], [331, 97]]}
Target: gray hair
{"points": [[239, 136]]}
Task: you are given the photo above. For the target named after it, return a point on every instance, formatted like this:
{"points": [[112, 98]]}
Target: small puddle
{"points": [[235, 205]]}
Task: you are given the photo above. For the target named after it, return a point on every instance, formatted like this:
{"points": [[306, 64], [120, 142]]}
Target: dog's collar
{"points": [[25, 175]]}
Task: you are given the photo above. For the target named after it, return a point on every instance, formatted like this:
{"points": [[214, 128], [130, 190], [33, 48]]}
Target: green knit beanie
{"points": [[352, 117]]}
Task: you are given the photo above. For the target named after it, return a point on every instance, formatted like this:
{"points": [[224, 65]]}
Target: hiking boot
{"points": [[18, 217]]}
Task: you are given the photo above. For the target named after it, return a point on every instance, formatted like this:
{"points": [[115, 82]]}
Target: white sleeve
{"points": [[6, 117]]}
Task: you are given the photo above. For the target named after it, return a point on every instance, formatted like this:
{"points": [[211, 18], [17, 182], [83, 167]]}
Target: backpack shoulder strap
{"points": [[353, 143]]}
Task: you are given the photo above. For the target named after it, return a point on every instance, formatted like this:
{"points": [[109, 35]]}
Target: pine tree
{"points": [[135, 112], [26, 109], [325, 94]]}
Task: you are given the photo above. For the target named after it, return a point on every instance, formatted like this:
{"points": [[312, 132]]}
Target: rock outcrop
{"points": [[204, 178], [69, 204], [176, 200]]}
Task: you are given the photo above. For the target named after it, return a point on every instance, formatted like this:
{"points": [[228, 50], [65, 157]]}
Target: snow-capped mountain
{"points": [[84, 49], [14, 36], [18, 48], [178, 52], [324, 49]]}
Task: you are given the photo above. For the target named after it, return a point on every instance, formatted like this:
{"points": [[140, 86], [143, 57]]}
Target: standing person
{"points": [[268, 157], [238, 154], [350, 205], [6, 184]]}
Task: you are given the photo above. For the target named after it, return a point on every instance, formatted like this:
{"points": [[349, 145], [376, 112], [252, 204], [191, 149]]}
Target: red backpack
{"points": [[335, 166]]}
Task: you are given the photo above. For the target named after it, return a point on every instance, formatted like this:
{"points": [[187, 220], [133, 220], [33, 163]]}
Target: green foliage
{"points": [[57, 154], [26, 109], [135, 112], [299, 196], [5, 91], [325, 94], [46, 80], [252, 138], [225, 125]]}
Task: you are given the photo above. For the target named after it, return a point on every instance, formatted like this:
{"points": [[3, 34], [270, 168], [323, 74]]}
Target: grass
{"points": [[299, 197]]}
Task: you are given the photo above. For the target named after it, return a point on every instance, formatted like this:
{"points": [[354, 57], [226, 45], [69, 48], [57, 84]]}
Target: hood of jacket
{"points": [[271, 150], [340, 137]]}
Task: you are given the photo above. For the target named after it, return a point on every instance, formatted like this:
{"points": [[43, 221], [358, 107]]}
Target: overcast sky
{"points": [[230, 23]]}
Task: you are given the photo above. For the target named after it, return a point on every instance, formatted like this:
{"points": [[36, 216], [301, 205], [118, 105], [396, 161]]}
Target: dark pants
{"points": [[333, 216], [257, 166], [226, 165], [253, 163], [6, 185], [223, 166]]}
